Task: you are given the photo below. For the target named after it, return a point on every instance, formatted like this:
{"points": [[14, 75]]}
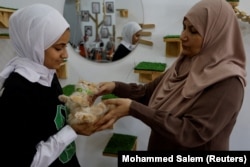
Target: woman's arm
{"points": [[138, 92], [216, 108]]}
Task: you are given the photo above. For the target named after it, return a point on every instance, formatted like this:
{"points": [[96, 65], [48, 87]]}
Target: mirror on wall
{"points": [[96, 25]]}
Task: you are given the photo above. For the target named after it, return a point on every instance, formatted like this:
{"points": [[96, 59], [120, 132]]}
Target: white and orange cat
{"points": [[80, 105]]}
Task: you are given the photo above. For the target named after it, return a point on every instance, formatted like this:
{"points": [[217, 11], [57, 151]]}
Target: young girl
{"points": [[30, 90]]}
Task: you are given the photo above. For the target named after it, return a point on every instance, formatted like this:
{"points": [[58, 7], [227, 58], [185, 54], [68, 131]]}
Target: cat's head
{"points": [[86, 87]]}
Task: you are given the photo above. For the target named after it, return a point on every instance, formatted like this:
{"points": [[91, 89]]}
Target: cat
{"points": [[81, 108]]}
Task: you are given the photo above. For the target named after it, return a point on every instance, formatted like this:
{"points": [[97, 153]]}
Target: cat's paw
{"points": [[63, 98], [85, 117]]}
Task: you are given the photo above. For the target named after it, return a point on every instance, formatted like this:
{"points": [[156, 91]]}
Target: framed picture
{"points": [[109, 7], [88, 30], [104, 33], [107, 20], [95, 7], [85, 15]]}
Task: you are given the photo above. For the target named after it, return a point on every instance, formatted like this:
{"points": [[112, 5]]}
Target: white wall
{"points": [[167, 16], [58, 4]]}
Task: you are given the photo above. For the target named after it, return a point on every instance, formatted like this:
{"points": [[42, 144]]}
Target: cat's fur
{"points": [[80, 105]]}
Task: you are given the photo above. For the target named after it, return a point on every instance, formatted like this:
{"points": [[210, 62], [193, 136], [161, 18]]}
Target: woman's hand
{"points": [[121, 109], [104, 88]]}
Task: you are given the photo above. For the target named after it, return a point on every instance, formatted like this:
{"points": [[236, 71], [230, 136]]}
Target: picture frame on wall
{"points": [[88, 30], [96, 7], [85, 15], [104, 32], [109, 7], [107, 20]]}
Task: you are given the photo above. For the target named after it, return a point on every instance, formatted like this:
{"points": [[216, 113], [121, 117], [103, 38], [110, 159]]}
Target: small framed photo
{"points": [[95, 7], [107, 20], [109, 7], [88, 30], [85, 15], [104, 33]]}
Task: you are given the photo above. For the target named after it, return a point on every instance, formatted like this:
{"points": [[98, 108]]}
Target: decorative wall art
{"points": [[85, 15], [104, 32], [95, 7], [107, 20], [88, 30], [109, 7]]}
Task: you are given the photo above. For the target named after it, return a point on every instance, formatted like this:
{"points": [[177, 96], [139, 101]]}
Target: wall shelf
{"points": [[62, 71], [148, 71], [146, 76], [120, 142], [123, 12], [4, 36], [173, 45], [5, 14]]}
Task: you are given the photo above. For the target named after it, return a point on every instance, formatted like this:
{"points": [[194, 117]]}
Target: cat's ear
{"points": [[63, 98]]}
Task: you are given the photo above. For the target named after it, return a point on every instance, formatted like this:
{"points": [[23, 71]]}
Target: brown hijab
{"points": [[222, 55]]}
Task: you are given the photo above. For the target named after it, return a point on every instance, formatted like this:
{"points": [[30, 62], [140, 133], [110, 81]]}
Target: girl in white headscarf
{"points": [[39, 135], [130, 37]]}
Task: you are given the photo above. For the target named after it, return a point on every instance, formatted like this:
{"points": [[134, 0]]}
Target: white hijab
{"points": [[128, 31], [33, 29]]}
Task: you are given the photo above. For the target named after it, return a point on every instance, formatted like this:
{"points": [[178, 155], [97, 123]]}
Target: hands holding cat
{"points": [[121, 109], [122, 106]]}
